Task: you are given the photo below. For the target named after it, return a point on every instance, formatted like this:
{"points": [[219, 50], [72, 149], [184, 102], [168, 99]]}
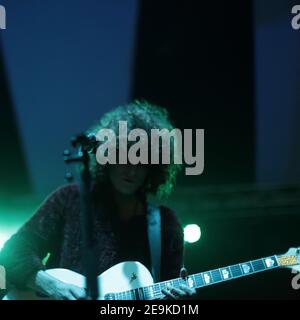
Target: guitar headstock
{"points": [[291, 259]]}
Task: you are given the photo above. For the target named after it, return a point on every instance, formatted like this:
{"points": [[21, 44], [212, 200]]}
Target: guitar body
{"points": [[122, 277]]}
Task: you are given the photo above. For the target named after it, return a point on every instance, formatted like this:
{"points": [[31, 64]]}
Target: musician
{"points": [[120, 227]]}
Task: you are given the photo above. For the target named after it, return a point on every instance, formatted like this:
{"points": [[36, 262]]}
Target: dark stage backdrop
{"points": [[197, 59]]}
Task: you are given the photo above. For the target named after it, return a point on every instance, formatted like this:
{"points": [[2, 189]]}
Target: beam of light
{"points": [[192, 233], [5, 233], [11, 219], [4, 236]]}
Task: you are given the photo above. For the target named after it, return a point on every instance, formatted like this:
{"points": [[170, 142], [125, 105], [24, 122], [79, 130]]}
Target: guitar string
{"points": [[157, 291]]}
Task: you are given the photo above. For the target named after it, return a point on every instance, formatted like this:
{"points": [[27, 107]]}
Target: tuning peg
{"points": [[183, 273]]}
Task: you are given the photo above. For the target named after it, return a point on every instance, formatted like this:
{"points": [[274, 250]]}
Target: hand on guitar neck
{"points": [[183, 292]]}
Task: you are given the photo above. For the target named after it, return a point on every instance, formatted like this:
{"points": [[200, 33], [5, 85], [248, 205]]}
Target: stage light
{"points": [[192, 233]]}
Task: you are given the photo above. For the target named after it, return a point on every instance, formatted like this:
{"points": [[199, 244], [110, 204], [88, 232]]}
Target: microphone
{"points": [[87, 143]]}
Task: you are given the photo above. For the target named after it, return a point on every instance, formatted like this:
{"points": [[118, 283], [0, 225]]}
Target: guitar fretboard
{"points": [[199, 280]]}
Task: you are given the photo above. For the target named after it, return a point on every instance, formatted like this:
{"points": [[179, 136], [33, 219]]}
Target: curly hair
{"points": [[139, 114]]}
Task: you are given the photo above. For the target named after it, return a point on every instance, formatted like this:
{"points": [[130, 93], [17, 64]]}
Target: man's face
{"points": [[127, 178]]}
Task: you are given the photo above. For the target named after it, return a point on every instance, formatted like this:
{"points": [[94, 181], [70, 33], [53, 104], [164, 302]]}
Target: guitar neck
{"points": [[202, 279], [219, 275]]}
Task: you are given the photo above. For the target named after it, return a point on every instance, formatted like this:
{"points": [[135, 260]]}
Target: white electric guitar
{"points": [[133, 281]]}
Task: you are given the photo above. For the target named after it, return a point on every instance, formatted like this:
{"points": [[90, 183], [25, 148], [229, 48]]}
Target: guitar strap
{"points": [[154, 236]]}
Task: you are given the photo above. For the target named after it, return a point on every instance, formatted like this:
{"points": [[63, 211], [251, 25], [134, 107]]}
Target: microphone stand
{"points": [[86, 210]]}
